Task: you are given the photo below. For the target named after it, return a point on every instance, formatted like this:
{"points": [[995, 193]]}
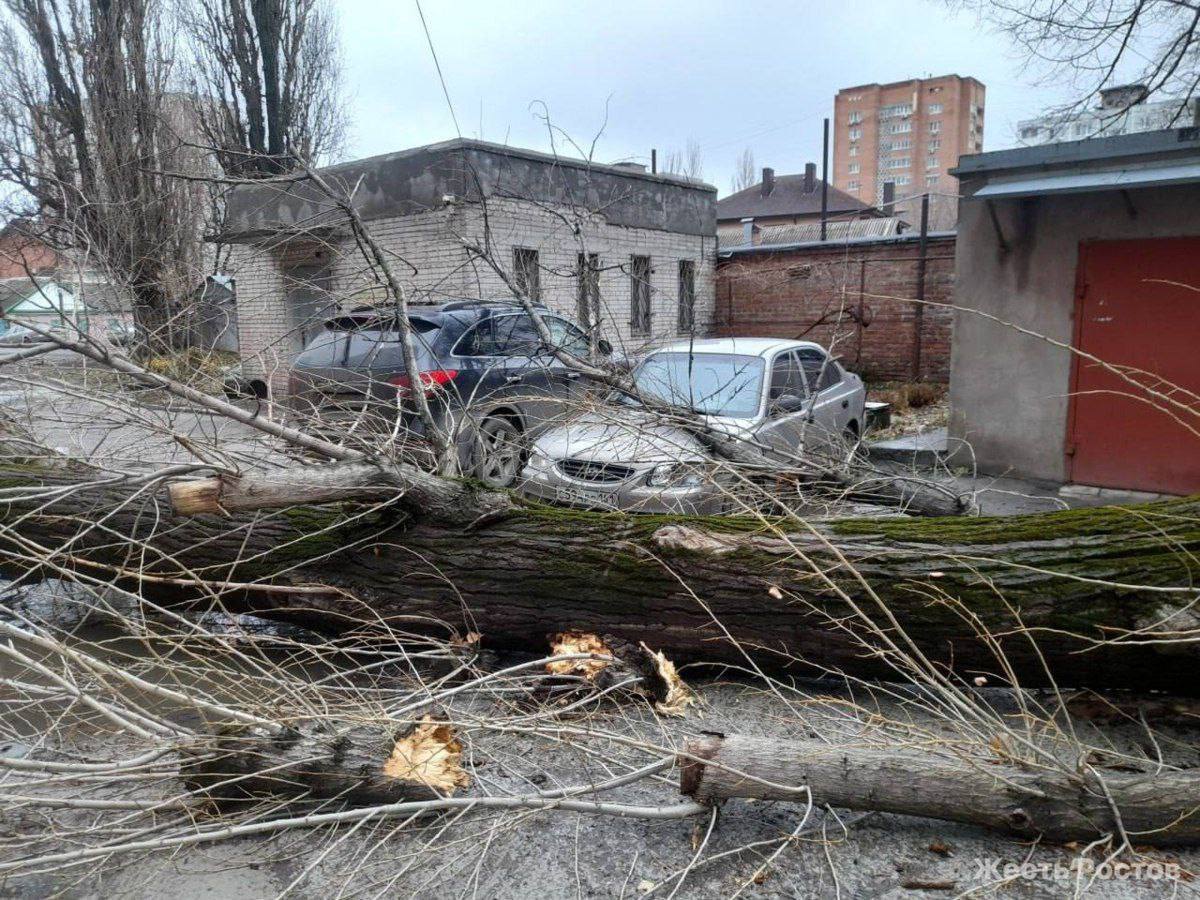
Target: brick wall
{"points": [[854, 298], [433, 263], [22, 255]]}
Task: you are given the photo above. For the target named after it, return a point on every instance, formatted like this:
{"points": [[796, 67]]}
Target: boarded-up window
{"points": [[527, 273], [639, 294], [687, 295], [587, 291]]}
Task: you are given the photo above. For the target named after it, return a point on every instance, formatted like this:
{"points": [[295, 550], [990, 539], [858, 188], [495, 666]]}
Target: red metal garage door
{"points": [[1138, 305]]}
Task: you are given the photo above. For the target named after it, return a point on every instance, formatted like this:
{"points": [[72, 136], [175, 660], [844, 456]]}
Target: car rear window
{"points": [[325, 349], [356, 340], [420, 324]]}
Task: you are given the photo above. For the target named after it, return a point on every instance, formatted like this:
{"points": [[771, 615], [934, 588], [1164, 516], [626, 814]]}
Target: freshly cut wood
{"points": [[1098, 597], [225, 494], [1159, 809], [361, 766]]}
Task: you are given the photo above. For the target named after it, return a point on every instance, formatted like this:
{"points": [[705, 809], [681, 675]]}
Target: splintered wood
{"points": [[570, 643], [431, 755], [678, 695], [660, 680]]}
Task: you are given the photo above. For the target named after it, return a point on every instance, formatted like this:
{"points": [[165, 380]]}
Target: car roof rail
{"points": [[478, 304]]}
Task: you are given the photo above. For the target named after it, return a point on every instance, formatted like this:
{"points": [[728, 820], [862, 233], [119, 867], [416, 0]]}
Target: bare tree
{"points": [[688, 162], [744, 175], [1096, 43], [269, 72], [89, 134]]}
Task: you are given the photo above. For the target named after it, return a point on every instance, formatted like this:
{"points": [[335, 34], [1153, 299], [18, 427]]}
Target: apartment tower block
{"points": [[908, 133]]}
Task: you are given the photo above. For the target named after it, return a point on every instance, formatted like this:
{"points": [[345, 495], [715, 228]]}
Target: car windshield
{"points": [[715, 384]]}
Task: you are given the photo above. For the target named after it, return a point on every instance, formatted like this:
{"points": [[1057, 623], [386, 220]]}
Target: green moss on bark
{"points": [[1178, 518]]}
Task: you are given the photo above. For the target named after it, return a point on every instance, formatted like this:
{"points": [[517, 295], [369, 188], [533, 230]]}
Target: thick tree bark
{"points": [[1153, 808], [1061, 592]]}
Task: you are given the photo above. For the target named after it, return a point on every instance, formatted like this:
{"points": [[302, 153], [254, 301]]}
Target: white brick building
{"points": [[555, 225]]}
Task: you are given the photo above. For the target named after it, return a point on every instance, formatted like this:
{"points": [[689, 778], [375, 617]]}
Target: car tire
{"points": [[499, 454]]}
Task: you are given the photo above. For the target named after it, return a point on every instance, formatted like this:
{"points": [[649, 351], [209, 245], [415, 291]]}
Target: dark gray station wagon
{"points": [[488, 376]]}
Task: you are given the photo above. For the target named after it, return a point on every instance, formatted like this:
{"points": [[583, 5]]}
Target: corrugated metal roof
{"points": [[21, 297], [909, 237], [731, 236]]}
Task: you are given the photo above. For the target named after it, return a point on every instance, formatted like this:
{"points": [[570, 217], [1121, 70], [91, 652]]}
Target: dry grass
{"points": [[186, 365], [916, 407], [906, 395]]}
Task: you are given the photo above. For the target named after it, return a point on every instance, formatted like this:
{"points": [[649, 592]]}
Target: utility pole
{"points": [[919, 318], [824, 179], [653, 161]]}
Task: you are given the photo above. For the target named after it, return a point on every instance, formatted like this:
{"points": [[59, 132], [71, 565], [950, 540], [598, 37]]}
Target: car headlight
{"points": [[677, 475], [538, 460]]}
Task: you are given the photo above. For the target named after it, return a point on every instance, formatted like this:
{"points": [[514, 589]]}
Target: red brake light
{"points": [[430, 381]]}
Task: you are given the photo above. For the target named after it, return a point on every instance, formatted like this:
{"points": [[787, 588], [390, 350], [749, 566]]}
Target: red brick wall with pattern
{"points": [[857, 299]]}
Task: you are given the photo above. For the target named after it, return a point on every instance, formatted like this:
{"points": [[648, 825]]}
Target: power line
{"points": [[437, 65], [761, 132]]}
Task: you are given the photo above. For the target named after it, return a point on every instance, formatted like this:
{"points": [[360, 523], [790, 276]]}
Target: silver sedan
{"points": [[790, 397]]}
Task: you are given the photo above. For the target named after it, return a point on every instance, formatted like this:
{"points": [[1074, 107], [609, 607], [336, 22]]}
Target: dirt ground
{"points": [[559, 854]]}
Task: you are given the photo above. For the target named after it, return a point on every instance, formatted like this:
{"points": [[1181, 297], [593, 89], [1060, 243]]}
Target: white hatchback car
{"points": [[789, 397]]}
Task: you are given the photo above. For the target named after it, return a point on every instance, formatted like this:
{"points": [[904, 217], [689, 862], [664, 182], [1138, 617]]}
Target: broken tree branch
{"points": [[1051, 804]]}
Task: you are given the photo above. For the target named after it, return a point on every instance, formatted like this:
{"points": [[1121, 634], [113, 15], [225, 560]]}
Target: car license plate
{"points": [[585, 497]]}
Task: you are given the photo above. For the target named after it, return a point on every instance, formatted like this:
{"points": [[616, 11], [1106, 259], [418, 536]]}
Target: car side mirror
{"points": [[604, 347], [786, 404]]}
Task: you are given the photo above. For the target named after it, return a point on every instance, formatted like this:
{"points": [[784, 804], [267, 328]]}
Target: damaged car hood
{"points": [[629, 436]]}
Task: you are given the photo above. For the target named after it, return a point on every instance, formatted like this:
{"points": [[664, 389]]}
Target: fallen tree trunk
{"points": [[1156, 809], [1098, 597]]}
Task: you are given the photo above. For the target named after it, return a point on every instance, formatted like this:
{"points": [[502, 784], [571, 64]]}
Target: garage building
{"points": [[1076, 354]]}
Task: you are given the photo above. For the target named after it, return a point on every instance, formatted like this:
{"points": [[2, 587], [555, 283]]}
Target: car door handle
{"points": [[572, 376], [845, 404], [513, 379]]}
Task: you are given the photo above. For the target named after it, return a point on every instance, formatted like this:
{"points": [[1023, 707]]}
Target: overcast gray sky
{"points": [[728, 75]]}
